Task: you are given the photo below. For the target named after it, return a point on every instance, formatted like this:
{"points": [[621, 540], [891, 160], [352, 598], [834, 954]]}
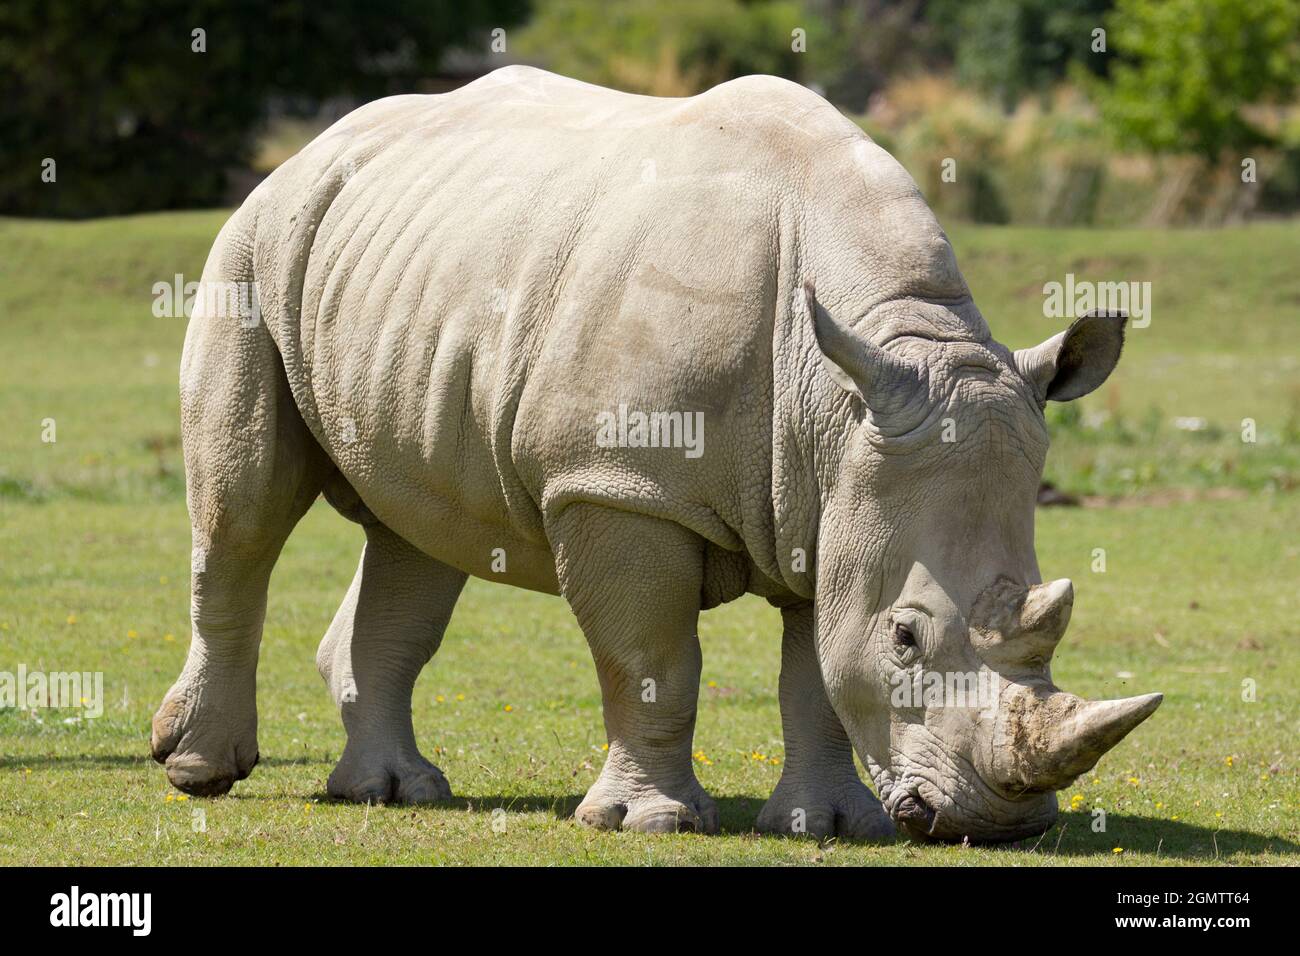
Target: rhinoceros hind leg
{"points": [[820, 793], [252, 470], [634, 584], [388, 627]]}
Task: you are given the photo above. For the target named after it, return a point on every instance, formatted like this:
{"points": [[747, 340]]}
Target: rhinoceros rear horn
{"points": [[889, 385], [1059, 736], [1018, 627]]}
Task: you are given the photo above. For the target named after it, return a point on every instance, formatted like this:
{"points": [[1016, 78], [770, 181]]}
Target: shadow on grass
{"points": [[130, 760], [1165, 838], [1068, 838], [736, 814], [1071, 837]]}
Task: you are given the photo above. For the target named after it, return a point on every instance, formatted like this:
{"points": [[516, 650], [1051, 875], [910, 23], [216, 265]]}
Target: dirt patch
{"points": [[1163, 498]]}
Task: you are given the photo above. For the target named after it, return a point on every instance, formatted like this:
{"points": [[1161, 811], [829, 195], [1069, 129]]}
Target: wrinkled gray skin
{"points": [[454, 287]]}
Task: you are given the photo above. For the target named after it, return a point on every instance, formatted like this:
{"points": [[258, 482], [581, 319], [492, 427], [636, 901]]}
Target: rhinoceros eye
{"points": [[903, 635]]}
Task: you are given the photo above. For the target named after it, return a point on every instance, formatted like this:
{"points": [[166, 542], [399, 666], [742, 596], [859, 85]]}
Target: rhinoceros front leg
{"points": [[634, 584], [388, 627], [819, 793]]}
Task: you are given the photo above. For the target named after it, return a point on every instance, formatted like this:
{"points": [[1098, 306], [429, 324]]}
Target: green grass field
{"points": [[1198, 599]]}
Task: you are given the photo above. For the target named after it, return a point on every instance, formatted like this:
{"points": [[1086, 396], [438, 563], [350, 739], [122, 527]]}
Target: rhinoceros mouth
{"points": [[938, 819], [919, 820], [1008, 835]]}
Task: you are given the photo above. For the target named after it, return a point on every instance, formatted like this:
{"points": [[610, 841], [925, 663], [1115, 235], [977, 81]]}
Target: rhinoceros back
{"points": [[460, 286]]}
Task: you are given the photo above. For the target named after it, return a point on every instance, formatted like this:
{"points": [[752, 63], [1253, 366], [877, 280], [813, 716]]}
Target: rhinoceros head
{"points": [[934, 631]]}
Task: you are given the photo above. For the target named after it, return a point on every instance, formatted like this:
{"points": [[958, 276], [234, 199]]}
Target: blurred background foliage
{"points": [[136, 119], [1057, 112], [666, 47]]}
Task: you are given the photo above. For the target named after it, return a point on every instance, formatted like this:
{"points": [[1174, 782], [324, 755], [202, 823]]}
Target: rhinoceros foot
{"points": [[383, 778], [848, 810], [204, 748], [649, 810]]}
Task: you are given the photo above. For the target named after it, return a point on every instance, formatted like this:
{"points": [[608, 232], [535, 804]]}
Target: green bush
{"points": [[1189, 72]]}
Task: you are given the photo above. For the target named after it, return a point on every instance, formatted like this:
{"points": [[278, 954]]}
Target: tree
{"points": [[145, 104], [1189, 72], [871, 42], [1011, 48]]}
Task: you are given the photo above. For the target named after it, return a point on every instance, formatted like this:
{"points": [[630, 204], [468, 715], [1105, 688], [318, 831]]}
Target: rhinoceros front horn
{"points": [[1049, 737], [893, 388]]}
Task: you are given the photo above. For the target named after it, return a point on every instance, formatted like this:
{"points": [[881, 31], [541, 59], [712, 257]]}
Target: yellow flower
{"points": [[774, 761], [712, 683], [1174, 817], [1118, 849], [132, 634], [1133, 780], [439, 699], [182, 798], [460, 696], [509, 709], [1228, 760], [169, 637], [755, 755], [72, 619], [1218, 814], [604, 747]]}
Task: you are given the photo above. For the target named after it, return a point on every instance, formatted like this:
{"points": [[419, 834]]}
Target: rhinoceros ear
{"points": [[884, 381], [1070, 365]]}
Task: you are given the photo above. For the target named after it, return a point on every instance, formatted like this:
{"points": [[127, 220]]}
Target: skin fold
{"points": [[454, 289]]}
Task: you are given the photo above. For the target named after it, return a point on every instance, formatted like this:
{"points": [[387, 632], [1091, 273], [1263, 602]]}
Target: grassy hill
{"points": [[82, 346], [1199, 595]]}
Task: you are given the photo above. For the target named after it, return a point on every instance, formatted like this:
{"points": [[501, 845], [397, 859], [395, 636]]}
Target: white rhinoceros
{"points": [[567, 339]]}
